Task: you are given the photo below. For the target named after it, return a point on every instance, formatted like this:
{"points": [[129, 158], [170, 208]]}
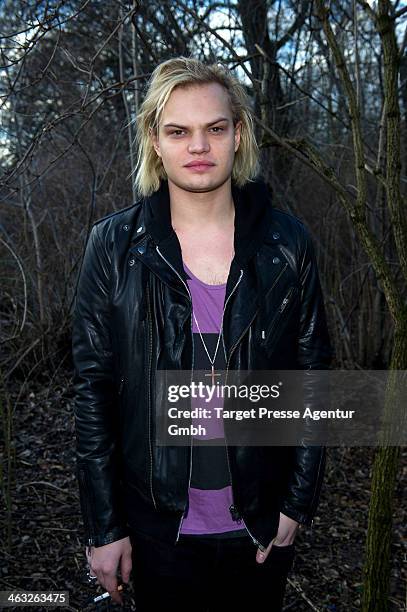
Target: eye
{"points": [[176, 132], [218, 128]]}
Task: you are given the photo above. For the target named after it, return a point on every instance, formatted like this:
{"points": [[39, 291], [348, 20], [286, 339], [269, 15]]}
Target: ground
{"points": [[46, 550]]}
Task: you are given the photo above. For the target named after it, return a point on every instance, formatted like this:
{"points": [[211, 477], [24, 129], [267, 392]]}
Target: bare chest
{"points": [[208, 257]]}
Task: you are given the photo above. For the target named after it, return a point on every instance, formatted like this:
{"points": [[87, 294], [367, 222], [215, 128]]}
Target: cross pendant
{"points": [[213, 375]]}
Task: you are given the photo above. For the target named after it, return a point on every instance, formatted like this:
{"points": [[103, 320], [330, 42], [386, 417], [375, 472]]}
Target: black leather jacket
{"points": [[133, 316]]}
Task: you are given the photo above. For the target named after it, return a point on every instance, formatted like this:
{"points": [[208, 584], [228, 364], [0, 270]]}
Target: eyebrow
{"points": [[207, 125]]}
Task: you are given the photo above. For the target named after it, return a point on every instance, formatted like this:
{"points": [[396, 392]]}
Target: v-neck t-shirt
{"points": [[210, 492]]}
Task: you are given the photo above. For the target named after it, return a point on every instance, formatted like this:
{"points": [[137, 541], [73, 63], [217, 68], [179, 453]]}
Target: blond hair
{"points": [[183, 72]]}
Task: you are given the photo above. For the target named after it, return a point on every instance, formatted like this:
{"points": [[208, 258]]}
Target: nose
{"points": [[198, 142]]}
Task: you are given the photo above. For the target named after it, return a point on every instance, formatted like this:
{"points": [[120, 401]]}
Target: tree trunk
{"points": [[376, 570]]}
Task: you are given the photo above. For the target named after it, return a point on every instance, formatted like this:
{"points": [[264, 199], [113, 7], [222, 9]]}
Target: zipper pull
{"points": [[235, 513], [286, 299]]}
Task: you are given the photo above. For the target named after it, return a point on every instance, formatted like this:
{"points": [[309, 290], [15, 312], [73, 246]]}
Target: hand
{"points": [[287, 530], [104, 561]]}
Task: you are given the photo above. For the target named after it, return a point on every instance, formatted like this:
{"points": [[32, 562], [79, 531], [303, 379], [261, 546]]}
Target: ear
{"points": [[154, 139], [238, 131]]}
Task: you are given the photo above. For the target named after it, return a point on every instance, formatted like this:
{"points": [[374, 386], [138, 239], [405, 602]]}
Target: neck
{"points": [[192, 210]]}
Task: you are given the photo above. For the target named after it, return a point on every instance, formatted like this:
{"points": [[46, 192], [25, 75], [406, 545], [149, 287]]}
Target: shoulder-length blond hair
{"points": [[186, 71]]}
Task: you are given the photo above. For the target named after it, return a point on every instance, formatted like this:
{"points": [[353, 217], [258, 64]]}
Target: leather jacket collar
{"points": [[253, 216]]}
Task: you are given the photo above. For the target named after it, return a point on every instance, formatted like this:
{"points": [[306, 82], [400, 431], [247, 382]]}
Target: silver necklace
{"points": [[212, 361]]}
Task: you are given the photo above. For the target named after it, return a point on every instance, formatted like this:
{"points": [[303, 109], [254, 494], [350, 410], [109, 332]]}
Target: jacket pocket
{"points": [[277, 325]]}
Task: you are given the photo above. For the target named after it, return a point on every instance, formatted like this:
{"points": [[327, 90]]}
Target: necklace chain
{"points": [[212, 361]]}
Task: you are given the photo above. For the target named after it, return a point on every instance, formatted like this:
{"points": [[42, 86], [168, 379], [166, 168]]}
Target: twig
{"points": [[303, 595]]}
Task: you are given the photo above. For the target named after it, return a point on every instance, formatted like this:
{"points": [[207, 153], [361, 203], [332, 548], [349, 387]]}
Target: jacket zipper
{"points": [[317, 486], [229, 296], [192, 370], [148, 393], [86, 493], [274, 284], [233, 510], [224, 308], [192, 439], [280, 310]]}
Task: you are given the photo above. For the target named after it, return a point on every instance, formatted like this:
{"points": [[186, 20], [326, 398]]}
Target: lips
{"points": [[199, 164]]}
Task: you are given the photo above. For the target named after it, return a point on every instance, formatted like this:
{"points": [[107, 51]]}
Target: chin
{"points": [[199, 184]]}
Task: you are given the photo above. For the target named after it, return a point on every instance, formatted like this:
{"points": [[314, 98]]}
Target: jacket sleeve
{"points": [[95, 399], [315, 353]]}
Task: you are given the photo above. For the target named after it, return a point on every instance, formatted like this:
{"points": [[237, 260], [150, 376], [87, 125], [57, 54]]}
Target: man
{"points": [[201, 273]]}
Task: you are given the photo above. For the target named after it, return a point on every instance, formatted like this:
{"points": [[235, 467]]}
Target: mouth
{"points": [[199, 166]]}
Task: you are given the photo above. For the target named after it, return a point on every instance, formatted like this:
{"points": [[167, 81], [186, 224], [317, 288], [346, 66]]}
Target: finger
{"points": [[99, 580], [116, 597], [110, 584], [96, 573], [125, 567], [92, 577]]}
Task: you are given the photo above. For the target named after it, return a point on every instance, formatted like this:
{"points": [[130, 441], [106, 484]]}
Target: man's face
{"points": [[197, 125]]}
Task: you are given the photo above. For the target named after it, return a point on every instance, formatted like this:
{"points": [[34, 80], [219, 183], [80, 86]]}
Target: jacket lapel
{"points": [[156, 244]]}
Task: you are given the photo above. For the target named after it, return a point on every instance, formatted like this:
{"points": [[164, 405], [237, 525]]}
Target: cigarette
{"points": [[104, 595]]}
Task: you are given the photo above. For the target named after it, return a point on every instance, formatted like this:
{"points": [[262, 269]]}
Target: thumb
{"points": [[262, 555]]}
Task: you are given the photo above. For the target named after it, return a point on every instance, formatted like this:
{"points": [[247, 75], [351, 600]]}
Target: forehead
{"points": [[195, 103]]}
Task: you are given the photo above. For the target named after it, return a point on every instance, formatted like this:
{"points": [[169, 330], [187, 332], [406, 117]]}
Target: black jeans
{"points": [[208, 575]]}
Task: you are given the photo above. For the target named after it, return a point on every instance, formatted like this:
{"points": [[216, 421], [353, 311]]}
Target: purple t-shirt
{"points": [[210, 492]]}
